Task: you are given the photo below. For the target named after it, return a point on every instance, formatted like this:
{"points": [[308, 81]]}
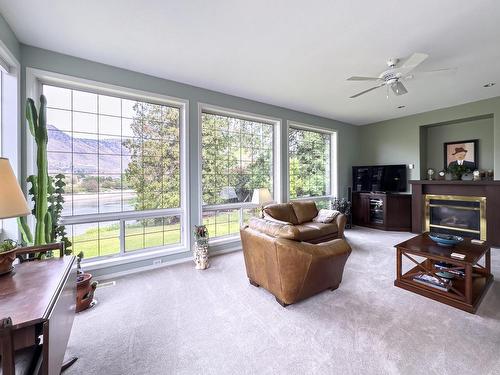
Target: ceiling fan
{"points": [[393, 76]]}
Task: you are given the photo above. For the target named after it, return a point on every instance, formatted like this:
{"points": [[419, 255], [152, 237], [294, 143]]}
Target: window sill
{"points": [[224, 240], [130, 258]]}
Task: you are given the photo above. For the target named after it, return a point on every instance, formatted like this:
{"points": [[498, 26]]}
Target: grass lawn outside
{"points": [[104, 239]]}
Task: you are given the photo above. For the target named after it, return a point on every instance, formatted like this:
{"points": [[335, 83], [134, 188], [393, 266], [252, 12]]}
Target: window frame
{"points": [[36, 78], [333, 133], [277, 183]]}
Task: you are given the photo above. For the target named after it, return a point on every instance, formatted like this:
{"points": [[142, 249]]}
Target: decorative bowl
{"points": [[445, 239]]}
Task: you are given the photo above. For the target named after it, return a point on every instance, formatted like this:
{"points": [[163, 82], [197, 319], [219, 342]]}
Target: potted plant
{"points": [[456, 171], [7, 255], [85, 287], [343, 206], [47, 192]]}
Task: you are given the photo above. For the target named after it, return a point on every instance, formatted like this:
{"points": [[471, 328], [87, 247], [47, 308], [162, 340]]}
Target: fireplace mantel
{"points": [[488, 189], [457, 183]]}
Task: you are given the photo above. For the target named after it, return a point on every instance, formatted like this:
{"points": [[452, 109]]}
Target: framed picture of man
{"points": [[461, 153]]}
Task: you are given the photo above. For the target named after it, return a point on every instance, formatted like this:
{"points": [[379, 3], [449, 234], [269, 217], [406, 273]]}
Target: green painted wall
{"points": [[8, 38], [481, 129], [402, 140]]}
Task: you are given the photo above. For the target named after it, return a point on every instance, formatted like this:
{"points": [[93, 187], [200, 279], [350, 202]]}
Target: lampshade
{"points": [[261, 196], [12, 201]]}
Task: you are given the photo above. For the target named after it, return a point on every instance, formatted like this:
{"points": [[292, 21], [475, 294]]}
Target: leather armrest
{"points": [[274, 228], [338, 246], [341, 220], [270, 218]]}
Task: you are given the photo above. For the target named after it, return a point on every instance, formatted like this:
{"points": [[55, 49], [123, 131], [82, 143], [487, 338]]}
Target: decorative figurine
{"points": [[200, 249], [430, 174], [476, 175]]}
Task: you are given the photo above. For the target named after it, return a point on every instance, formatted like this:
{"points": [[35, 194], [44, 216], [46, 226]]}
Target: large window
{"points": [[310, 163], [121, 158], [238, 157]]}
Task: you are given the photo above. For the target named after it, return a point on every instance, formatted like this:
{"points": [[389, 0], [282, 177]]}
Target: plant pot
{"points": [[85, 289], [6, 259]]}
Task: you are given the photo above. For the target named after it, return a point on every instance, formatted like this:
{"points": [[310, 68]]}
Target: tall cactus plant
{"points": [[46, 194]]}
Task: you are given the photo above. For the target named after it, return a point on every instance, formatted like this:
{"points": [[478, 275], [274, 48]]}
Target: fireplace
{"points": [[456, 214], [485, 194]]}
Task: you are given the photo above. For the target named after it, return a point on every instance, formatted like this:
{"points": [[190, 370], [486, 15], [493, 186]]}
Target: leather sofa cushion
{"points": [[305, 211], [274, 229], [281, 211], [310, 231]]}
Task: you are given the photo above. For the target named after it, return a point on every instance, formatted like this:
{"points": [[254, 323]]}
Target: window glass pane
{"points": [[151, 167], [84, 122], [221, 222], [110, 105], [234, 163], [109, 238], [59, 97], [59, 141], [237, 158], [128, 108], [58, 119], [309, 163], [110, 125], [61, 163], [152, 232], [84, 143], [118, 155], [109, 201], [84, 101]]}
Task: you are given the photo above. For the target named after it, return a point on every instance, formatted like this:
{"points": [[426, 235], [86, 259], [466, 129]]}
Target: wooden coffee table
{"points": [[466, 291]]}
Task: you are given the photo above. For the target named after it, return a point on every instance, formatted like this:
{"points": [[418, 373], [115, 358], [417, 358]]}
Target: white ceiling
{"points": [[291, 53]]}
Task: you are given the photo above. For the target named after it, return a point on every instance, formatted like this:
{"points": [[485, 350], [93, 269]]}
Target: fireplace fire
{"points": [[454, 214]]}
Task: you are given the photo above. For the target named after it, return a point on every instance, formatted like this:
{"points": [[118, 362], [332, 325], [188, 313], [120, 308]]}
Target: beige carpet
{"points": [[177, 320]]}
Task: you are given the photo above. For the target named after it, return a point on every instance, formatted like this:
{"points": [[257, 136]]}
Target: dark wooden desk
{"points": [[40, 296], [467, 291]]}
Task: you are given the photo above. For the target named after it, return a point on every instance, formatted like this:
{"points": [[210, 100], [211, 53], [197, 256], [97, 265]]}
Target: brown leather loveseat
{"points": [[287, 267], [300, 214]]}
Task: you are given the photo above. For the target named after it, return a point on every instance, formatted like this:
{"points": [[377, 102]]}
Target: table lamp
{"points": [[12, 200], [261, 197]]}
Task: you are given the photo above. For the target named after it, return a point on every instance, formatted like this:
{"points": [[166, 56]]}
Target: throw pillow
{"points": [[325, 216]]}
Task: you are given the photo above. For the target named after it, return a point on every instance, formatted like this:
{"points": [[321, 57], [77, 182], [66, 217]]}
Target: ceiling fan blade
{"points": [[414, 60], [399, 88], [438, 71], [364, 92], [356, 78]]}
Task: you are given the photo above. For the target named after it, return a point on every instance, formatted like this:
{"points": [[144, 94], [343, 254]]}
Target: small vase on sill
{"points": [[200, 248]]}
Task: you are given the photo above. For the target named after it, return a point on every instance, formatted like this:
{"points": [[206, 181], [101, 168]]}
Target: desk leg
{"points": [[7, 341], [66, 365]]}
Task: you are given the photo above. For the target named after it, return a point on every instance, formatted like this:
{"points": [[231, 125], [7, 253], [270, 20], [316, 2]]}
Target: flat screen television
{"points": [[381, 178]]}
